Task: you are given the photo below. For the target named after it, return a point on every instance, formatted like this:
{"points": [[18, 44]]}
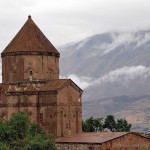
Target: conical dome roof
{"points": [[30, 40]]}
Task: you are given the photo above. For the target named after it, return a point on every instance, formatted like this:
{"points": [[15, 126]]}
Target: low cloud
{"points": [[125, 38], [82, 81], [123, 76], [143, 40]]}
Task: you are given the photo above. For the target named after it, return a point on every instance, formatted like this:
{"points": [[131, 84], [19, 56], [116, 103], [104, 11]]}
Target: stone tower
{"points": [[30, 83], [29, 56]]}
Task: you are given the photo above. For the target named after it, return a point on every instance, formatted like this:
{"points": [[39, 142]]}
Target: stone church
{"points": [[30, 83]]}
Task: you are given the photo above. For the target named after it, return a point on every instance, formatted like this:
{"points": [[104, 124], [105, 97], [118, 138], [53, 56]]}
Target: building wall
{"points": [[18, 68], [128, 142], [69, 111], [49, 110], [59, 113], [43, 114], [3, 104], [78, 146], [20, 103]]}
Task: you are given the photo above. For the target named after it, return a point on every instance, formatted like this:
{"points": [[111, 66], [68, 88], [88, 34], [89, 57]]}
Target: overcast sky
{"points": [[63, 21]]}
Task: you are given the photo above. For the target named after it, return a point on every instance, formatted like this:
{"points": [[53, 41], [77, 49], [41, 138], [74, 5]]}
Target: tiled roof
{"points": [[54, 84], [51, 85], [4, 87], [99, 137], [30, 88], [30, 39]]}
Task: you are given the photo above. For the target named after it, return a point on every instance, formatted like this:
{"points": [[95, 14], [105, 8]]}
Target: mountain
{"points": [[111, 68], [106, 52], [135, 109], [109, 64]]}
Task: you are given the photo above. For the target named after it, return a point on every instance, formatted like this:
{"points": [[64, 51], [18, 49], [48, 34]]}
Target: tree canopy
{"points": [[99, 124], [19, 133]]}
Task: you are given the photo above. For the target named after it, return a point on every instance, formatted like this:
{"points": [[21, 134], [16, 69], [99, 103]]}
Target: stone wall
{"points": [[58, 112], [20, 68], [69, 113], [78, 146], [129, 141]]}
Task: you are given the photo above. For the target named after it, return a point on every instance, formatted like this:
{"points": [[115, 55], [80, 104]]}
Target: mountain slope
{"points": [[105, 52], [135, 109], [108, 66]]}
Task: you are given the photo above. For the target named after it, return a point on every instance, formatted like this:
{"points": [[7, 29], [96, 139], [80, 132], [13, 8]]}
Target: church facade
{"points": [[30, 83]]}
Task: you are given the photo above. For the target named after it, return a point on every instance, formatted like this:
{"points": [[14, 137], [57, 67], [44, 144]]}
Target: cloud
{"points": [[124, 38], [64, 21], [118, 39], [143, 40], [82, 82], [123, 76]]}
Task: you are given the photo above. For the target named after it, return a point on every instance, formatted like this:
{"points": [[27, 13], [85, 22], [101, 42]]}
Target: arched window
{"points": [[30, 76]]}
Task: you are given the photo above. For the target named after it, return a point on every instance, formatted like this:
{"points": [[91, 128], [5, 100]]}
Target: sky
{"points": [[64, 21]]}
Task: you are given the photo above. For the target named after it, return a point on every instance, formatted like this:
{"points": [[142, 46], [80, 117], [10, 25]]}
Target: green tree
{"points": [[20, 134], [5, 132], [19, 125], [110, 123], [36, 129], [123, 125], [4, 147], [98, 124], [88, 125], [92, 125]]}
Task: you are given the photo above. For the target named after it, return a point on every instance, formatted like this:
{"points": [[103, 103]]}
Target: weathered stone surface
{"points": [[30, 83]]}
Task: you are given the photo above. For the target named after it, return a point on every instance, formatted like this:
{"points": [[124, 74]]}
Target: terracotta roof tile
{"points": [[30, 39], [30, 88], [54, 84], [99, 137]]}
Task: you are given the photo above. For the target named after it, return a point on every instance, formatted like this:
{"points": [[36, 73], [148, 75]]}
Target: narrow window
{"points": [[30, 76]]}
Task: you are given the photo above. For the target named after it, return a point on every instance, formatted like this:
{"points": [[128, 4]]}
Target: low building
{"points": [[103, 141]]}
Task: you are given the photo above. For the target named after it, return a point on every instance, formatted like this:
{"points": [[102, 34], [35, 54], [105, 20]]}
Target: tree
{"points": [[19, 125], [4, 132], [88, 125], [92, 125], [98, 124], [4, 147], [123, 125], [20, 134], [110, 123]]}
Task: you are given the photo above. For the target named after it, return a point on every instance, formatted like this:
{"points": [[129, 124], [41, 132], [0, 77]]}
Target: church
{"points": [[30, 83]]}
